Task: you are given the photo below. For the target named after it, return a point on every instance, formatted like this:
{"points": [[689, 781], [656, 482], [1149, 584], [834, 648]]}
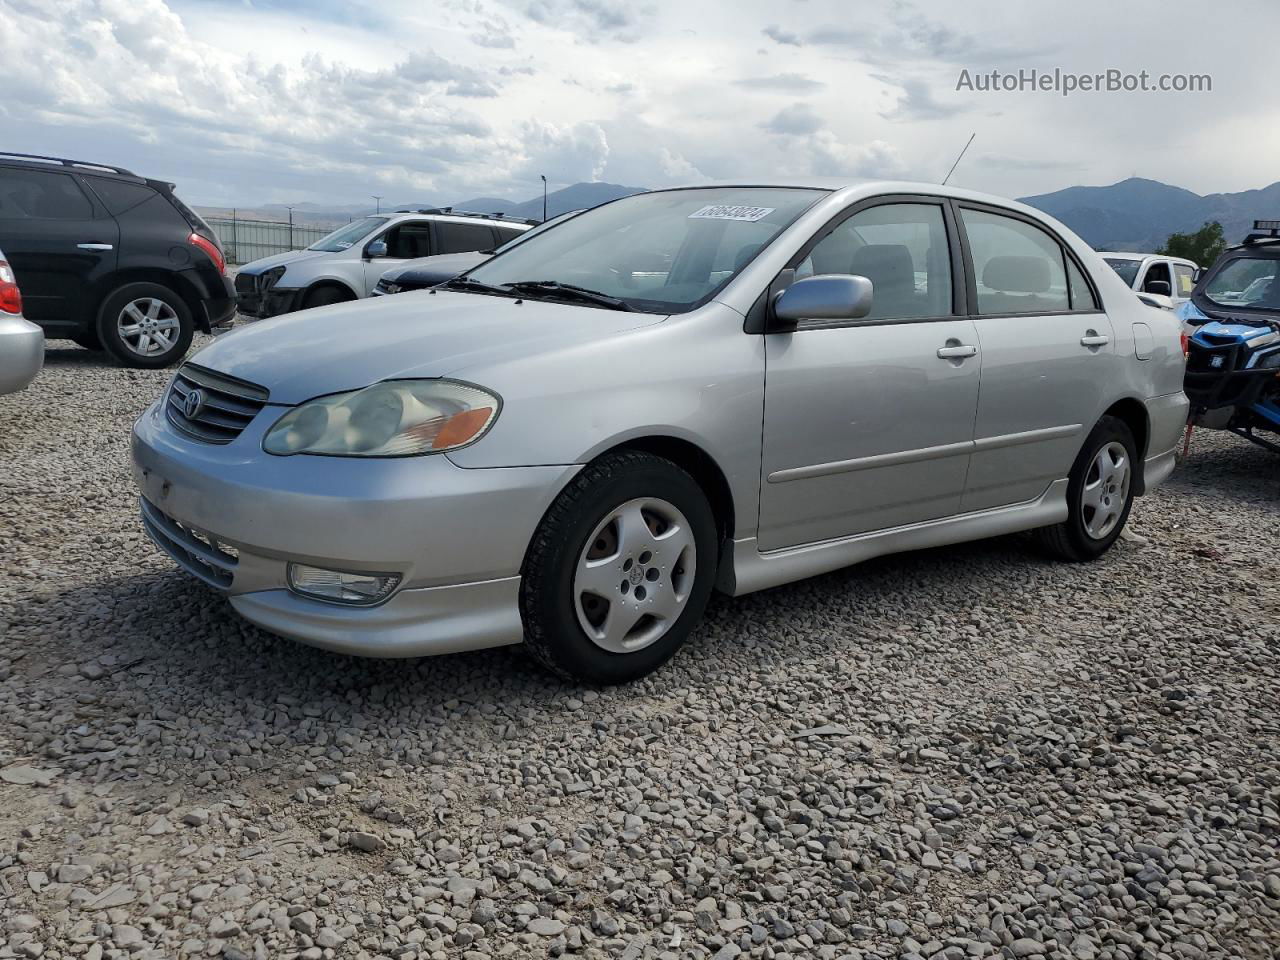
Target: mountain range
{"points": [[1134, 214], [1138, 214]]}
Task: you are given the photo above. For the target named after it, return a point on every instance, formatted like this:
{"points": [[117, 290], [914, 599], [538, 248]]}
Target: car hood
{"points": [[444, 265], [282, 259], [347, 346]]}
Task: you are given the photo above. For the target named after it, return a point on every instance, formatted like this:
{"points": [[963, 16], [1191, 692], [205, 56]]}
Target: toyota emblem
{"points": [[192, 404]]}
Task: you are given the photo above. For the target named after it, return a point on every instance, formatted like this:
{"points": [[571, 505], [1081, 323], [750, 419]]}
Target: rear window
{"points": [[38, 195], [120, 195]]}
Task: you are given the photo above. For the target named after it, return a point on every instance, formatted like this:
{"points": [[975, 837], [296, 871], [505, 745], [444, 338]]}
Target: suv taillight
{"points": [[1186, 345], [10, 298], [211, 248]]}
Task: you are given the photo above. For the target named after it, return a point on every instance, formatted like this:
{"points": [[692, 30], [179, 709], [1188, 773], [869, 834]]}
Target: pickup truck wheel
{"points": [[619, 571], [145, 325], [1099, 494]]}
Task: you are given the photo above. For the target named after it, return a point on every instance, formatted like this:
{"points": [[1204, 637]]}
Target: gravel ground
{"points": [[959, 753]]}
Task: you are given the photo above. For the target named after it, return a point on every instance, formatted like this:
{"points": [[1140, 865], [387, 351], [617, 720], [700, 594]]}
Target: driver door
{"points": [[869, 423], [407, 240]]}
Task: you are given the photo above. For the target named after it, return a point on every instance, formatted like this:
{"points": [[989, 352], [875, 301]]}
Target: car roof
{"points": [[457, 218], [1125, 255]]}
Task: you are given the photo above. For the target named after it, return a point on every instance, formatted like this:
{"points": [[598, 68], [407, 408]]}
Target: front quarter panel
{"points": [[695, 377]]}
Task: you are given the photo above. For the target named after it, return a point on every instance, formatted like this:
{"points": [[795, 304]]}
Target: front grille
{"points": [[227, 405], [246, 283], [200, 554]]}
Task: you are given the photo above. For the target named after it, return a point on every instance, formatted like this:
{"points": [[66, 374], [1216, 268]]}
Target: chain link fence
{"points": [[247, 240]]}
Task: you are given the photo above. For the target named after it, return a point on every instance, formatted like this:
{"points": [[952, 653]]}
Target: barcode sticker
{"points": [[727, 211]]}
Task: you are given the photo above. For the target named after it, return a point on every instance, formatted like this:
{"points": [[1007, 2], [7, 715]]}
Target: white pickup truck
{"points": [[1159, 281]]}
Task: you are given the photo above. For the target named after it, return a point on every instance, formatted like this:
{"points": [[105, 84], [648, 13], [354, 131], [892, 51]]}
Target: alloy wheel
{"points": [[634, 575], [1106, 490], [148, 326]]}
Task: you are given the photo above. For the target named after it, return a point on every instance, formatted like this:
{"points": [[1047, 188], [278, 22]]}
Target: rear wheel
{"points": [[145, 325], [620, 569], [1099, 494]]}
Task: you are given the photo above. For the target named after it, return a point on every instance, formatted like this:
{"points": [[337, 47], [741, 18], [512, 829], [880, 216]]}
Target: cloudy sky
{"points": [[243, 102]]}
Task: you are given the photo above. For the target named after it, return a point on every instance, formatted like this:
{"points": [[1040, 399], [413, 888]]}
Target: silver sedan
{"points": [[725, 387], [21, 342]]}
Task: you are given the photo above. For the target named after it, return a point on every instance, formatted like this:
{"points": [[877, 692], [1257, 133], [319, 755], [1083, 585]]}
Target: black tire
{"points": [[326, 296], [1070, 540], [552, 631], [109, 333]]}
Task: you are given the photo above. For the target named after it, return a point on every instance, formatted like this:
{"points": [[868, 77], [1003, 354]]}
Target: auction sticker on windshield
{"points": [[727, 211]]}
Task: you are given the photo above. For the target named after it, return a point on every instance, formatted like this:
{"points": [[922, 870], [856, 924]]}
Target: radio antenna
{"points": [[958, 159]]}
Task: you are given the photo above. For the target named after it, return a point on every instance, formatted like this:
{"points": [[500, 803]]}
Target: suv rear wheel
{"points": [[145, 325]]}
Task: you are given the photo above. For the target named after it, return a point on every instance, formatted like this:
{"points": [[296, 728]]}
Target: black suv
{"points": [[110, 260]]}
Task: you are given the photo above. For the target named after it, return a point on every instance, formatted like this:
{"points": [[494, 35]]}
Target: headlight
{"points": [[395, 418]]}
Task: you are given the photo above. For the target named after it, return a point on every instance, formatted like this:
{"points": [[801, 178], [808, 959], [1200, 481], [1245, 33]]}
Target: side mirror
{"points": [[376, 249], [1161, 287], [835, 296]]}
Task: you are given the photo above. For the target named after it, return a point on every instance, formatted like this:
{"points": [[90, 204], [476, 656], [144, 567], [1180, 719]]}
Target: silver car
{"points": [[346, 264], [718, 387], [21, 342]]}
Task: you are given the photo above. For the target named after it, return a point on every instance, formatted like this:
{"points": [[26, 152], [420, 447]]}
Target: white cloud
{"points": [[331, 100]]}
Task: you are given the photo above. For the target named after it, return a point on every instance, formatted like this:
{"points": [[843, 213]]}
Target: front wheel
{"points": [[1099, 494], [145, 325], [620, 569]]}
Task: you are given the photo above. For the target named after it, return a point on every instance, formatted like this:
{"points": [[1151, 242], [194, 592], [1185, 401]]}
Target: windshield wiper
{"points": [[568, 291], [466, 283]]}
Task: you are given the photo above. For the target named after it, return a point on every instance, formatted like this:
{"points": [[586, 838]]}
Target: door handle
{"points": [[1094, 339], [956, 351], [94, 246]]}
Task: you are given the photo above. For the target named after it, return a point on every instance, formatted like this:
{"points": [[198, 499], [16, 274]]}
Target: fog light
{"points": [[339, 586]]}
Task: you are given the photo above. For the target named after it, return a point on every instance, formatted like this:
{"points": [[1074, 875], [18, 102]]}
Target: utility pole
{"points": [[377, 202], [290, 209], [544, 198]]}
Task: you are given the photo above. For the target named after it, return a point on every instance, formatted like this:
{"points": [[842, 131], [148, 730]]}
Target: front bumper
{"points": [[235, 517], [21, 352], [254, 301]]}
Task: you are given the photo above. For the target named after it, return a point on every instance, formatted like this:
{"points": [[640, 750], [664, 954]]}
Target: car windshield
{"points": [[1249, 282], [348, 236], [1128, 269], [662, 252]]}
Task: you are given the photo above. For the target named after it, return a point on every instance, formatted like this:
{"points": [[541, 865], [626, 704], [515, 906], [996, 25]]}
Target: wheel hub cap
{"points": [[634, 575], [1106, 490]]}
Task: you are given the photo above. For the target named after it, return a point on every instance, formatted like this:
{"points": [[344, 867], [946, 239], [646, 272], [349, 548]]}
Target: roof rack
{"points": [[69, 163], [449, 211]]}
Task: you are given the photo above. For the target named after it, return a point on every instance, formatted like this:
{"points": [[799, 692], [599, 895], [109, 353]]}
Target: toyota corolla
{"points": [[725, 387]]}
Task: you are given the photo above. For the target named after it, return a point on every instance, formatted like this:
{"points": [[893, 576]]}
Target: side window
{"points": [[119, 195], [1082, 297], [1018, 267], [901, 248], [409, 240], [462, 237], [1185, 280], [506, 234], [37, 195], [1157, 272]]}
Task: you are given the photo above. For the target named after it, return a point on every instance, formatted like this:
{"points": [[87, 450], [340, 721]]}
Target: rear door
{"points": [[61, 243], [1048, 355], [453, 237]]}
